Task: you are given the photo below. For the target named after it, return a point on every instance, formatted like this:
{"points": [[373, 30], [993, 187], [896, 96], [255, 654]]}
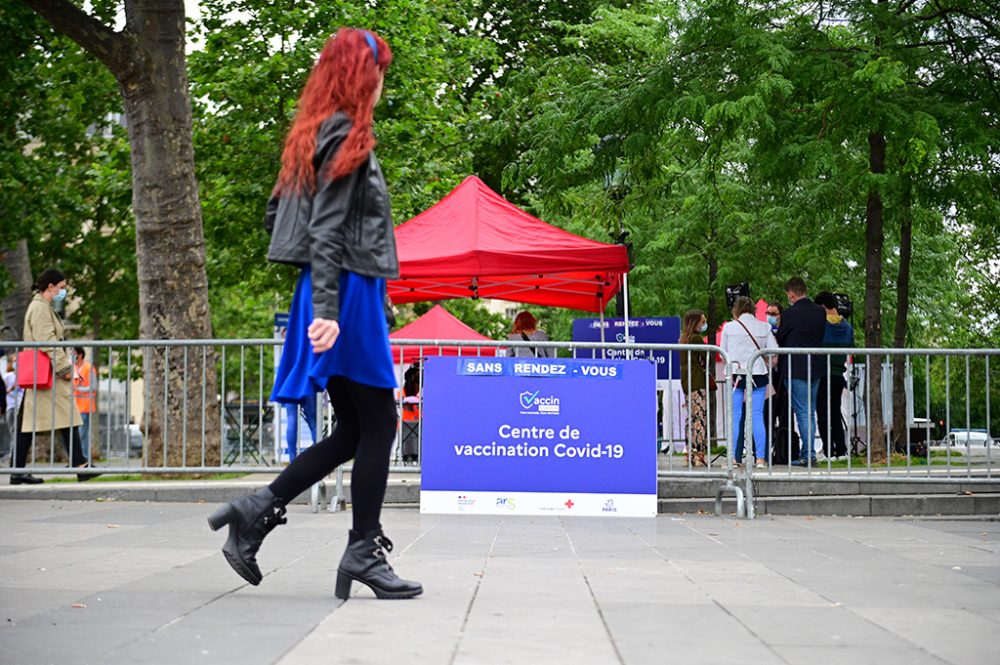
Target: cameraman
{"points": [[838, 334]]}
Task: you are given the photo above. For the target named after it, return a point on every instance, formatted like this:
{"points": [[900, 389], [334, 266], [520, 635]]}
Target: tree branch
{"points": [[937, 42], [112, 48], [941, 11], [696, 249]]}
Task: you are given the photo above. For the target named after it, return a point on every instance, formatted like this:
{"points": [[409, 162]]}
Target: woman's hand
{"points": [[323, 333]]}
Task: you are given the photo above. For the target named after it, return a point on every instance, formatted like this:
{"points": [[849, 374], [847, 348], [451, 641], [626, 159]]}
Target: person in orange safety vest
{"points": [[85, 394]]}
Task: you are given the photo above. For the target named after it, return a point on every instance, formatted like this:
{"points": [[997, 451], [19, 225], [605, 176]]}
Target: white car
{"points": [[971, 437], [134, 440]]}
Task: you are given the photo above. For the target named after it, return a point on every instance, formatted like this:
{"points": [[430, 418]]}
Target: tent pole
{"points": [[625, 297], [602, 332]]}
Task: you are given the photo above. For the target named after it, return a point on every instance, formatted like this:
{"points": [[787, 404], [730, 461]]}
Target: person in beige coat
{"points": [[53, 410]]}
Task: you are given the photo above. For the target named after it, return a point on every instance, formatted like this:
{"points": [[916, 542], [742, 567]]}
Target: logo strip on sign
{"points": [[538, 503]]}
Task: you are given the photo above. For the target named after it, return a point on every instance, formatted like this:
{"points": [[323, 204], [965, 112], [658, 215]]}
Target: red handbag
{"points": [[34, 369]]}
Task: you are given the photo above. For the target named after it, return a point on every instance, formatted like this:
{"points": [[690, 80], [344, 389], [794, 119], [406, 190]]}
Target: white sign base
{"points": [[538, 503]]}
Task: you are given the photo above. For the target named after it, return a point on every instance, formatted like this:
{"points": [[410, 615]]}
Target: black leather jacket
{"points": [[345, 224]]}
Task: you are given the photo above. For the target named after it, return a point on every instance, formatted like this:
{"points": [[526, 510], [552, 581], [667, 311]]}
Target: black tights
{"points": [[366, 427]]}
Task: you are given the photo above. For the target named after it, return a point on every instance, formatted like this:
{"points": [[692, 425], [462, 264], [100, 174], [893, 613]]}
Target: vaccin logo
{"points": [[532, 402]]}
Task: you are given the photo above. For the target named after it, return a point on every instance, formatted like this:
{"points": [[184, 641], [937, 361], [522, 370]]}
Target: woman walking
{"points": [[49, 410], [741, 338], [330, 216], [695, 382]]}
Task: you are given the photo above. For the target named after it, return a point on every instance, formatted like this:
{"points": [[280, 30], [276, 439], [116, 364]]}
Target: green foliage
{"points": [[730, 139], [741, 131], [64, 169], [253, 60]]}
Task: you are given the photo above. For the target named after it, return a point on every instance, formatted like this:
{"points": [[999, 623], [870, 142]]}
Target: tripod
{"points": [[858, 445]]}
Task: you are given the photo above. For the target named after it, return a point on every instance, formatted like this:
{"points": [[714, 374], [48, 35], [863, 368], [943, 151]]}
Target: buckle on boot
{"points": [[383, 542], [273, 519]]}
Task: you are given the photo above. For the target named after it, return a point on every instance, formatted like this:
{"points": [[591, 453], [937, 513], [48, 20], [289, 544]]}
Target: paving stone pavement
{"points": [[125, 583]]}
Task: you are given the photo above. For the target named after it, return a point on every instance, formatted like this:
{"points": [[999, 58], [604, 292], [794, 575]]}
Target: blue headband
{"points": [[372, 44]]}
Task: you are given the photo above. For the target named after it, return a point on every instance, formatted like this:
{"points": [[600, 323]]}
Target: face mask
{"points": [[703, 327], [59, 297], [773, 320]]}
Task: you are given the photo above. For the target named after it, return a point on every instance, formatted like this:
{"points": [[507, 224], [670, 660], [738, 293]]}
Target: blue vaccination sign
{"points": [[648, 330], [539, 436]]}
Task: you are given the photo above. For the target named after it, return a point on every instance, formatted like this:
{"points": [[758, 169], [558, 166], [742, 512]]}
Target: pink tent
{"points": [[474, 243], [438, 323], [761, 310]]}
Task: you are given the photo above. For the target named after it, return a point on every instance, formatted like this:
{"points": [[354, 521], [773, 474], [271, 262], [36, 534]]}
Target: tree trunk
{"points": [[874, 243], [713, 276], [148, 61], [170, 243], [899, 365], [15, 260], [712, 305], [715, 397]]}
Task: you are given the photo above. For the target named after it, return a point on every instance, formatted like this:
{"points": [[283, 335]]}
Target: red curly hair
{"points": [[343, 79]]}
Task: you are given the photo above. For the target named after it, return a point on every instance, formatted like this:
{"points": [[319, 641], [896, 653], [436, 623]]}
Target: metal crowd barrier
{"points": [[947, 435], [178, 407], [201, 407]]}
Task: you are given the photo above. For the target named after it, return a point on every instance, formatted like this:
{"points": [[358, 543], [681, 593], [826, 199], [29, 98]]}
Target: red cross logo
{"points": [[569, 503]]}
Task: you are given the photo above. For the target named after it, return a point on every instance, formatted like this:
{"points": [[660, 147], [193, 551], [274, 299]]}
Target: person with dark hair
{"points": [[411, 407], [839, 334], [526, 329], [695, 380], [802, 327], [329, 215], [784, 441], [774, 310], [49, 410]]}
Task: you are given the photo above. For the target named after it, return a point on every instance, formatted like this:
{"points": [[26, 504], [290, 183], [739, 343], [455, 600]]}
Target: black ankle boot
{"points": [[250, 519], [365, 562]]}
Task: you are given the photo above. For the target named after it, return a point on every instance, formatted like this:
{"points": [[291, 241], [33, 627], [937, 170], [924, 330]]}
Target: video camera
{"points": [[844, 305], [734, 291]]}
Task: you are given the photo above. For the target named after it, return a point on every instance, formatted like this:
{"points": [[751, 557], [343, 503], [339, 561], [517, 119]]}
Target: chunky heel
{"points": [[343, 590], [221, 517], [365, 562]]}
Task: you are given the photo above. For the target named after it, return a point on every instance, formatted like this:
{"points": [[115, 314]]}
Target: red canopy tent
{"points": [[438, 323], [474, 243]]}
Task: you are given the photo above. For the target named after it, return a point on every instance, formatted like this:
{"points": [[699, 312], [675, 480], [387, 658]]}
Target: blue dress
{"points": [[361, 352]]}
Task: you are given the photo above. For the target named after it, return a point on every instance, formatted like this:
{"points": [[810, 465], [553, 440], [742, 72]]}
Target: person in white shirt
{"points": [[12, 396], [741, 338]]}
